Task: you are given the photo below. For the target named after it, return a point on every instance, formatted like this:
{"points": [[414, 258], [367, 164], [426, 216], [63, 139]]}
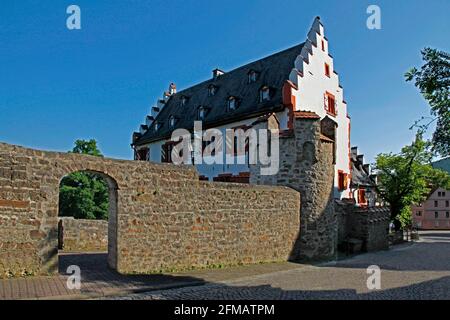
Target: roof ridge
{"points": [[238, 68]]}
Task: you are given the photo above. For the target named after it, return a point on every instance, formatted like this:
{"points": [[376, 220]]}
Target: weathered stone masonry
{"points": [[161, 215], [82, 235], [307, 165]]}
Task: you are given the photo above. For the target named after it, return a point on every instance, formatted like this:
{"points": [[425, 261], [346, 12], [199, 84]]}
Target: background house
{"points": [[434, 213]]}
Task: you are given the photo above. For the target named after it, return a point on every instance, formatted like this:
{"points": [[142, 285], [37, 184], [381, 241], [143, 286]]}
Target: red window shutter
{"points": [[331, 107], [327, 69], [340, 180], [345, 181], [361, 196]]}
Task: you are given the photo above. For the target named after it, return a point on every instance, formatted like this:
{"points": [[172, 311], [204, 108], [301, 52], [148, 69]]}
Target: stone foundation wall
{"points": [[161, 216], [370, 225], [81, 235]]}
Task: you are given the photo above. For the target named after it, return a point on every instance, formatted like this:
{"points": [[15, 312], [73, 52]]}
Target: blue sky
{"points": [[58, 85]]}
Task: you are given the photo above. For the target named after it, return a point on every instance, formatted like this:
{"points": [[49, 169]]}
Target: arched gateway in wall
{"points": [[161, 215]]}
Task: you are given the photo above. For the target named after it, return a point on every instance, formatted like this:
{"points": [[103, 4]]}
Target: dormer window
{"points": [[156, 126], [232, 103], [264, 94], [183, 101], [212, 90], [172, 121], [252, 76], [202, 113]]}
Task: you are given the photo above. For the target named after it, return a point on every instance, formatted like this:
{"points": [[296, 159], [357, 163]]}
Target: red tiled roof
{"points": [[306, 115]]}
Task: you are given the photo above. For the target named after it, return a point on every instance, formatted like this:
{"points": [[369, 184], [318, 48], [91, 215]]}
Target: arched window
{"points": [[172, 121], [252, 76], [232, 103], [183, 101], [212, 89], [264, 94], [202, 113]]}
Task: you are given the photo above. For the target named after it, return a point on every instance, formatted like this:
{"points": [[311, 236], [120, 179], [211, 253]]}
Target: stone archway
{"points": [[81, 227]]}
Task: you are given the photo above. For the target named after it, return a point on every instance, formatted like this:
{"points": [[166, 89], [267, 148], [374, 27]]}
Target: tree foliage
{"points": [[407, 178], [87, 147], [84, 195], [433, 81]]}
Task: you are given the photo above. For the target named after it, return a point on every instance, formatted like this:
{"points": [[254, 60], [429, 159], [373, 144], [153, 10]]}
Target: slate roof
{"points": [[272, 71], [360, 177]]}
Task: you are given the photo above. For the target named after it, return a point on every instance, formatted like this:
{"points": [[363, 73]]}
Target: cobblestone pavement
{"points": [[411, 271], [97, 280]]}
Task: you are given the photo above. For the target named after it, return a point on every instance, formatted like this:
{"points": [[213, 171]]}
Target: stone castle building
{"points": [[299, 82], [164, 216]]}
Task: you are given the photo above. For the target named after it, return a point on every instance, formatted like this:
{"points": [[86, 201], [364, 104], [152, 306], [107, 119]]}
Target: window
{"points": [[183, 101], [327, 70], [156, 127], [142, 154], [342, 180], [436, 215], [443, 193], [447, 214], [202, 113], [264, 94], [232, 103], [172, 121], [439, 194], [419, 213], [212, 90], [330, 104], [447, 203], [435, 203], [323, 45], [252, 76], [166, 152], [361, 196]]}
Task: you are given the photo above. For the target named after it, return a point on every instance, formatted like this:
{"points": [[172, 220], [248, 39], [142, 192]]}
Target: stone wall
{"points": [[370, 225], [306, 165], [161, 216], [82, 235], [213, 223]]}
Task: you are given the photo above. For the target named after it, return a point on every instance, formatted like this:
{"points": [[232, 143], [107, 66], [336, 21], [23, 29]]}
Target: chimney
{"points": [[354, 152], [217, 72], [172, 88]]}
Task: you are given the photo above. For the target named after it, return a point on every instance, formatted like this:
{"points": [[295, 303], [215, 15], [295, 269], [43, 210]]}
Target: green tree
{"points": [[87, 147], [406, 178], [433, 81], [84, 195]]}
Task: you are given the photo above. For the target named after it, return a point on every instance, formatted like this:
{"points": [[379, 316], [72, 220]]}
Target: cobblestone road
{"points": [[413, 271]]}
